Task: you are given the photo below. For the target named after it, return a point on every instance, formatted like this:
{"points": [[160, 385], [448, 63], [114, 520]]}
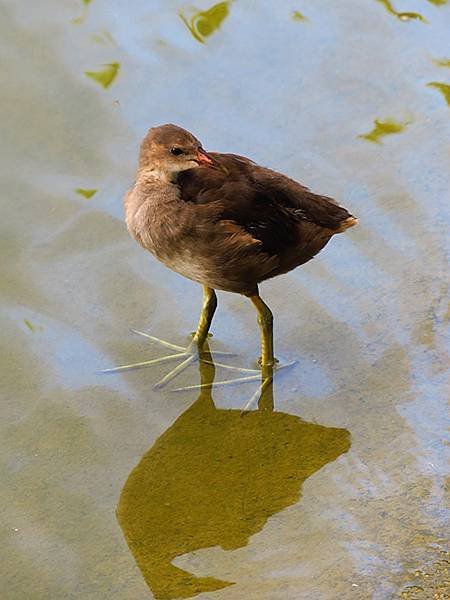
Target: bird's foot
{"points": [[265, 374], [191, 354], [263, 395], [273, 364], [187, 355]]}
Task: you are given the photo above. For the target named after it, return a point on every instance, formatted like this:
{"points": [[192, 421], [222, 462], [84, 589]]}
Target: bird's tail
{"points": [[349, 222]]}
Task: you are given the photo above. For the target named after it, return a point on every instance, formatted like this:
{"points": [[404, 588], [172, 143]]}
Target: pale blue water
{"points": [[367, 320]]}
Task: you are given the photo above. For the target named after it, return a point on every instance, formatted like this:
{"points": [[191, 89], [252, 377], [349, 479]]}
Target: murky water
{"points": [[334, 487]]}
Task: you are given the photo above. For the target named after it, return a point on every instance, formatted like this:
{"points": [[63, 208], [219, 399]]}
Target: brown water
{"points": [[338, 490]]}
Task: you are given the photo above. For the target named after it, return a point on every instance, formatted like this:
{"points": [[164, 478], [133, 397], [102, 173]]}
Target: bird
{"points": [[224, 221]]}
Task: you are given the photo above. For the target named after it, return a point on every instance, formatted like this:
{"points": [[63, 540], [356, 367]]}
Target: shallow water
{"points": [[338, 492]]}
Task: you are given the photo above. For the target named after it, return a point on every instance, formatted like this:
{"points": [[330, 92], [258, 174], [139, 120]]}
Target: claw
{"points": [[158, 340], [256, 377], [231, 367], [257, 395], [141, 365], [188, 356], [174, 372], [200, 386]]}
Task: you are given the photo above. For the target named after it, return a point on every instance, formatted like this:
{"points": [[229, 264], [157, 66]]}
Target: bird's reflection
{"points": [[213, 479]]}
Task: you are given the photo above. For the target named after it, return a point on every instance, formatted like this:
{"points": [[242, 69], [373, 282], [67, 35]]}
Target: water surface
{"points": [[367, 320]]}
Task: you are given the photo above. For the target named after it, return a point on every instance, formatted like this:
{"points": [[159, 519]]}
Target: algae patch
{"points": [[202, 24], [296, 15], [30, 325], [442, 62], [383, 128], [104, 37], [79, 20], [403, 16], [105, 76], [86, 193], [444, 88]]}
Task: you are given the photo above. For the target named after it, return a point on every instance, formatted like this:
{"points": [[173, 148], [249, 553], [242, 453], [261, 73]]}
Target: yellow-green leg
{"points": [[206, 316], [264, 394], [265, 322], [186, 355], [194, 353]]}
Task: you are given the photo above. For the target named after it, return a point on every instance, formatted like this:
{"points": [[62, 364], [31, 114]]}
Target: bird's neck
{"points": [[155, 176], [153, 194], [152, 210], [154, 188]]}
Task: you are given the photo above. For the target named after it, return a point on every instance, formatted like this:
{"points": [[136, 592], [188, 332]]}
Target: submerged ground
{"points": [[335, 487]]}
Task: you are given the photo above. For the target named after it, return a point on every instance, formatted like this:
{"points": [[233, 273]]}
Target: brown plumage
{"points": [[223, 220]]}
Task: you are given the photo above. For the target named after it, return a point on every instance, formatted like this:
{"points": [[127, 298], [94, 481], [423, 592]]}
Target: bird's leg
{"points": [[267, 360], [194, 349], [206, 317], [193, 352], [265, 400], [188, 354], [265, 322], [199, 339], [264, 394]]}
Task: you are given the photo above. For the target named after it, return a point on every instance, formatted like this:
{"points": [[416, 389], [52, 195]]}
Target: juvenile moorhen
{"points": [[225, 221]]}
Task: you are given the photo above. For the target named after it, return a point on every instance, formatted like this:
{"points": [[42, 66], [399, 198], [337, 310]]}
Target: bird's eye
{"points": [[176, 151]]}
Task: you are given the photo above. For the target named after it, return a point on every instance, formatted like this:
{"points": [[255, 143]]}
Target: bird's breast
{"points": [[172, 239], [186, 264]]}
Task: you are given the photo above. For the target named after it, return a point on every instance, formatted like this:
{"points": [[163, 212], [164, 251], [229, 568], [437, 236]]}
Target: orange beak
{"points": [[204, 159]]}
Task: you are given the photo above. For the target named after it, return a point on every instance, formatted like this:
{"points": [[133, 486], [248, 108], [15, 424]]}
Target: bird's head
{"points": [[168, 149]]}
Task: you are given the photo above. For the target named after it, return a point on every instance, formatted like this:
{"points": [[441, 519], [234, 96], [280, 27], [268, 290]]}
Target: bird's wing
{"points": [[203, 185], [320, 210], [272, 208], [232, 196], [240, 181]]}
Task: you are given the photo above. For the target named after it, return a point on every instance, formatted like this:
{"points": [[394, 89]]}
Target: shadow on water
{"points": [[213, 479]]}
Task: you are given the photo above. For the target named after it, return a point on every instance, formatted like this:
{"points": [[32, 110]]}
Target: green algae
{"points": [[104, 37], [214, 478], [383, 128], [202, 24], [403, 16], [296, 15], [442, 62], [444, 88], [79, 20], [30, 325], [438, 2], [106, 76], [90, 432], [86, 193]]}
